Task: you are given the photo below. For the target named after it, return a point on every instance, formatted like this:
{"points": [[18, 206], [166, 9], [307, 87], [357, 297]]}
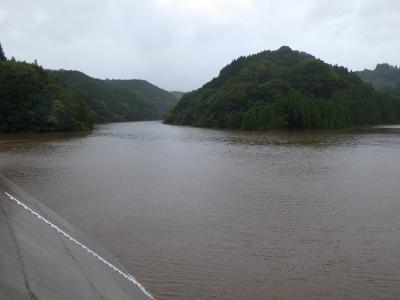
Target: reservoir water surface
{"points": [[210, 214]]}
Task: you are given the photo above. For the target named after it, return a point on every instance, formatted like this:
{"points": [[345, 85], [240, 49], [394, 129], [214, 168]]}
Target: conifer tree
{"points": [[2, 56]]}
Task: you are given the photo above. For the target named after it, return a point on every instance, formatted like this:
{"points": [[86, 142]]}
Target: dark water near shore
{"points": [[208, 214]]}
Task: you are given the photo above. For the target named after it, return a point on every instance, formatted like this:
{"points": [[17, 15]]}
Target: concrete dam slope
{"points": [[44, 257]]}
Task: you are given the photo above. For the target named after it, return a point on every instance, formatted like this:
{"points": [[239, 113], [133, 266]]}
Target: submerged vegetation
{"points": [[284, 89]]}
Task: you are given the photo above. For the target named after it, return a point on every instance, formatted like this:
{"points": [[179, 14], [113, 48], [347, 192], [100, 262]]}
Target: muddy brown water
{"points": [[209, 214]]}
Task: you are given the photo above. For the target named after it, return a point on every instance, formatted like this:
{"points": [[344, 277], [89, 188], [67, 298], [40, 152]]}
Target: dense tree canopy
{"points": [[33, 101], [118, 100], [395, 90], [284, 89]]}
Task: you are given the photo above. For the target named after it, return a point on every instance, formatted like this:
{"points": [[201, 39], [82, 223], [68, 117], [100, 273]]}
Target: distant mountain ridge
{"points": [[384, 75], [177, 94], [160, 99], [284, 89], [117, 100]]}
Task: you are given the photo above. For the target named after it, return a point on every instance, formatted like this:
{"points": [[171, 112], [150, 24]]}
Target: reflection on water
{"points": [[207, 214]]}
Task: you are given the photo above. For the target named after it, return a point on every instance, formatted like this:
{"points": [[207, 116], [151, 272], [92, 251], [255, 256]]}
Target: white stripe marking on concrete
{"points": [[59, 230]]}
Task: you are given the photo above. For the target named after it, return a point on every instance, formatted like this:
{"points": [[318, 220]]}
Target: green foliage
{"points": [[284, 89], [396, 89], [118, 100], [32, 101]]}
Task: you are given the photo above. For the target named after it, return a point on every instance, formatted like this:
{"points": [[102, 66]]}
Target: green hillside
{"points": [[384, 77], [118, 100], [31, 100], [160, 99], [284, 89]]}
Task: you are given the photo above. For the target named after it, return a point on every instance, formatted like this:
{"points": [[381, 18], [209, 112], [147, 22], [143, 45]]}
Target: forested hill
{"points": [[385, 77], [118, 100], [160, 99], [33, 101], [284, 89]]}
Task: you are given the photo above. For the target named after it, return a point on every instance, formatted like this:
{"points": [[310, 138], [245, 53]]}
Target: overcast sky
{"points": [[181, 44]]}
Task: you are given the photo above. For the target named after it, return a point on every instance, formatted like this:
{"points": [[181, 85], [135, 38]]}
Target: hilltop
{"points": [[284, 89], [384, 77]]}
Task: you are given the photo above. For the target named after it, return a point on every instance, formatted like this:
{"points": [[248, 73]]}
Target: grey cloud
{"points": [[179, 45]]}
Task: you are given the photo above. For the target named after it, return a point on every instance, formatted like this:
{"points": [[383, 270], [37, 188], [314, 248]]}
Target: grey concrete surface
{"points": [[38, 262]]}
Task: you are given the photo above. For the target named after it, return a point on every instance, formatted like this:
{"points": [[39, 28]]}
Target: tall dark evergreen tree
{"points": [[2, 55]]}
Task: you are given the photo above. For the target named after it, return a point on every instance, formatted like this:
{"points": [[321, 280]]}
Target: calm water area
{"points": [[212, 214]]}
